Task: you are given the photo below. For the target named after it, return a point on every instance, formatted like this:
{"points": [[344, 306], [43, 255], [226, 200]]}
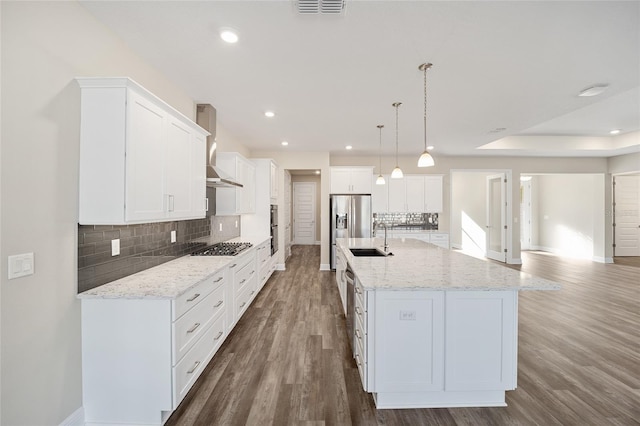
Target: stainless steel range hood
{"points": [[216, 178]]}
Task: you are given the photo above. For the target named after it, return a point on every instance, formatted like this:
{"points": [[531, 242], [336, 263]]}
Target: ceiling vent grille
{"points": [[320, 6]]}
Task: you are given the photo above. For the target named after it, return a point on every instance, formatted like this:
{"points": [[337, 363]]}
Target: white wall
{"points": [[624, 163], [468, 207], [44, 46], [570, 216]]}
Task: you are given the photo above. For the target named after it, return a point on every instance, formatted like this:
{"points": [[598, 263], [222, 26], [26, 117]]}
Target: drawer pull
{"points": [[195, 296], [218, 304], [250, 273], [252, 292], [264, 260], [243, 303], [220, 333], [194, 328], [233, 266], [218, 280], [358, 334], [194, 367], [358, 361], [358, 311], [243, 280]]}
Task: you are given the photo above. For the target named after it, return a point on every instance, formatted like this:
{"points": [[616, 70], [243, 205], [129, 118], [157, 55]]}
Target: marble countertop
{"points": [[168, 280], [417, 265]]}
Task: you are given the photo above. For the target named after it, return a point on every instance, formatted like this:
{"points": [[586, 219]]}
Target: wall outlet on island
{"points": [[236, 223], [407, 315]]}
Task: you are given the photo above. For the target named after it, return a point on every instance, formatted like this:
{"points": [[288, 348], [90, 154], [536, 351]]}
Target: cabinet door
{"points": [[274, 182], [409, 341], [481, 329], [380, 196], [415, 193], [145, 160], [397, 195], [361, 180], [248, 180], [340, 181], [433, 194], [178, 170]]}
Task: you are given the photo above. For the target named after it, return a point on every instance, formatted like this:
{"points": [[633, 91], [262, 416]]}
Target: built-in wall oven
{"points": [[274, 229]]}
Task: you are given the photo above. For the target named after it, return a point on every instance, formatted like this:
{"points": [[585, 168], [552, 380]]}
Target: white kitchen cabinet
{"points": [[397, 195], [265, 263], [433, 194], [236, 201], [341, 278], [415, 193], [259, 223], [440, 239], [137, 156], [243, 274], [141, 356], [274, 182], [380, 195], [351, 180]]}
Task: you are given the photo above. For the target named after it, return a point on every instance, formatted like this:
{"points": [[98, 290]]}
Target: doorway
{"points": [[525, 213], [304, 213], [496, 217], [626, 211]]}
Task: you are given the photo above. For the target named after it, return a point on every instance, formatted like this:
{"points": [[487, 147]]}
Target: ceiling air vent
{"points": [[320, 6]]}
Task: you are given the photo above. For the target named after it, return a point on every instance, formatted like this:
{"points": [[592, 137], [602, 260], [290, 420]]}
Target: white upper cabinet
{"points": [[351, 180], [397, 195], [139, 158], [433, 194], [379, 195], [236, 201], [274, 182], [415, 193]]}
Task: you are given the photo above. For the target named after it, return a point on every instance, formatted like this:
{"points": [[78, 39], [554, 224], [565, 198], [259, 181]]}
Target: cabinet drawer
{"points": [[188, 328], [362, 365], [244, 276], [439, 237], [242, 302], [360, 295], [190, 298], [264, 252], [361, 313], [189, 368]]}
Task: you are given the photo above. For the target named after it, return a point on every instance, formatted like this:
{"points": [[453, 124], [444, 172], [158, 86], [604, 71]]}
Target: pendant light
{"points": [[425, 160], [380, 179], [397, 172]]}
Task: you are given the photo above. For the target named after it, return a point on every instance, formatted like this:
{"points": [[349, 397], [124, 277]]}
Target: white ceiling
{"points": [[331, 79]]}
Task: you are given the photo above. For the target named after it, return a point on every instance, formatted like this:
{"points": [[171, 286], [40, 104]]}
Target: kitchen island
{"points": [[432, 327]]}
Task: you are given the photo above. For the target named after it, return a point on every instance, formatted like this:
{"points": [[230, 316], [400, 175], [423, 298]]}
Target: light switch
{"points": [[236, 223], [20, 265], [115, 247], [173, 236]]}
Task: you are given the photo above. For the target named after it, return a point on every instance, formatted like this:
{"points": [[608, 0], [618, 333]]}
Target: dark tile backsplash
{"points": [[422, 221], [141, 247]]}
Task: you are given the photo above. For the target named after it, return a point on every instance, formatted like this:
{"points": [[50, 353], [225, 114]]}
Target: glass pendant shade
{"points": [[380, 180], [397, 173], [425, 160]]}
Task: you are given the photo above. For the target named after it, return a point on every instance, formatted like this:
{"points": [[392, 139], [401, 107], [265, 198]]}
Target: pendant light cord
{"points": [[380, 126], [397, 104], [425, 108]]}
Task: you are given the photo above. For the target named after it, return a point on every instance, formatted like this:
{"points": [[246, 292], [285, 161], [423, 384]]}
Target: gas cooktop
{"points": [[222, 249]]}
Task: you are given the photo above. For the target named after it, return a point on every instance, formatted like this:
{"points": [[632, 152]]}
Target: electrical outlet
{"points": [[236, 223], [407, 315], [20, 265], [115, 247], [220, 227], [173, 236]]}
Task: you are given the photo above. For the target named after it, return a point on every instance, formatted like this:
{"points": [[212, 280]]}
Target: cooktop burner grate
{"points": [[222, 249]]}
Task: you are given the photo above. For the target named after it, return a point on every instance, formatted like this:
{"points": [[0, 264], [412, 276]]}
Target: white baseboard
{"points": [[456, 246], [75, 419], [325, 267], [601, 259], [514, 261], [280, 267]]}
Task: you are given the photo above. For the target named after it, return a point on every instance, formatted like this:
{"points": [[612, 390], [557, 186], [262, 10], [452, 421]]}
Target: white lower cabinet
{"points": [[425, 349], [440, 239]]}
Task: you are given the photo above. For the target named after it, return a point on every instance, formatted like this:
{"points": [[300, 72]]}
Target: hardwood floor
{"points": [[287, 362]]}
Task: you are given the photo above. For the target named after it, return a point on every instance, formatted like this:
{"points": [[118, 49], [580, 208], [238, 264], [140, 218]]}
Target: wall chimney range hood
{"points": [[216, 178]]}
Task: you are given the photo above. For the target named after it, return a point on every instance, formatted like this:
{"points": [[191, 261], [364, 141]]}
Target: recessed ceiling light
{"points": [[430, 147], [615, 132], [594, 90], [284, 143], [348, 147], [269, 114], [228, 35], [498, 130]]}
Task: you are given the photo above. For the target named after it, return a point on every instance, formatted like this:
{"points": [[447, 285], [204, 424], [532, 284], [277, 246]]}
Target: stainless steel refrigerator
{"points": [[351, 217]]}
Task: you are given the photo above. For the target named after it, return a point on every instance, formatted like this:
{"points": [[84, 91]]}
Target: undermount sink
{"points": [[369, 252]]}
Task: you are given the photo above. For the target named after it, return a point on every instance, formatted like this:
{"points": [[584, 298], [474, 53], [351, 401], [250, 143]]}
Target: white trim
{"points": [[325, 267], [514, 261], [75, 419], [456, 246], [317, 242], [601, 259], [280, 267]]}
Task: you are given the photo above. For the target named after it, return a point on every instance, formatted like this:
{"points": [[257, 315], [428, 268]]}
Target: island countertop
{"points": [[416, 265]]}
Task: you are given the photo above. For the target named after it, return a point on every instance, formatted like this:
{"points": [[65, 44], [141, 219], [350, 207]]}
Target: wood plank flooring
{"points": [[287, 362]]}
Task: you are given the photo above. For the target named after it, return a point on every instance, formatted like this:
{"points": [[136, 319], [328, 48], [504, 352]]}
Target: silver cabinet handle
{"points": [[194, 328], [233, 266], [243, 303], [358, 311], [206, 204], [251, 272], [218, 304], [358, 334], [195, 296], [194, 367], [218, 280], [252, 292], [243, 280], [220, 333], [358, 361]]}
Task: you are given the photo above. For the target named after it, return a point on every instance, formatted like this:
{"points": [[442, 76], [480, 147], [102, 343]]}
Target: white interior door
{"points": [[304, 212], [496, 217], [627, 215]]}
